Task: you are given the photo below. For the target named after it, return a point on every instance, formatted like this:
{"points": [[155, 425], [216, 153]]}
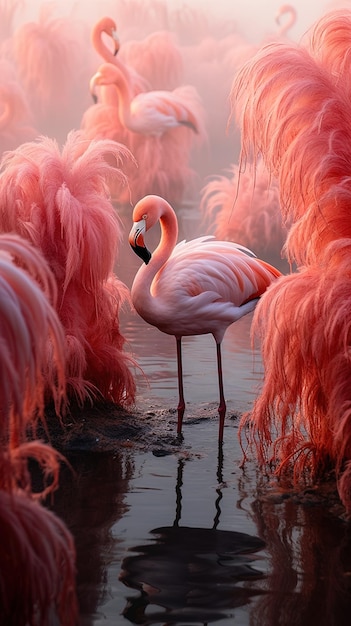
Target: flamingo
{"points": [[152, 112], [106, 25], [161, 126], [290, 21], [193, 288]]}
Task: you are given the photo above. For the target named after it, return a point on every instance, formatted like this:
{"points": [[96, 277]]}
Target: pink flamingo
{"points": [[37, 561], [152, 112], [289, 22], [245, 207], [193, 288], [60, 201], [303, 321], [107, 26], [161, 126]]}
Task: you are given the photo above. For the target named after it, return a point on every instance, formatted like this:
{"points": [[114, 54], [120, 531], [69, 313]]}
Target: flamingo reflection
{"points": [[191, 574]]}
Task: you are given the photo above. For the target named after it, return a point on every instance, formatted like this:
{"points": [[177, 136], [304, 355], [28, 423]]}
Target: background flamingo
{"points": [[303, 321], [193, 288], [162, 125], [151, 112]]}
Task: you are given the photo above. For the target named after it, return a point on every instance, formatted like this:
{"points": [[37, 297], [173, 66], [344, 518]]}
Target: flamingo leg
{"points": [[181, 403], [222, 405]]}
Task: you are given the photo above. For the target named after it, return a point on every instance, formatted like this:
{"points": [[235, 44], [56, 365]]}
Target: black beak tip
{"points": [[143, 253]]}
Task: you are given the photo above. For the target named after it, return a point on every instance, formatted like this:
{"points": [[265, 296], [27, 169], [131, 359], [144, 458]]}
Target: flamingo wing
{"points": [[154, 112], [204, 283]]}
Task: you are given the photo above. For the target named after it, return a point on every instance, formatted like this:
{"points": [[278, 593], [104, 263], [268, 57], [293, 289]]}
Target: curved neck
{"points": [[290, 20], [99, 45], [125, 97], [142, 284]]}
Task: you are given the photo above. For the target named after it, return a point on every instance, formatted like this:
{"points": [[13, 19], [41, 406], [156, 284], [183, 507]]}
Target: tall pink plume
{"points": [[290, 110], [32, 365], [37, 565], [244, 206], [37, 560], [301, 420], [293, 107], [329, 42], [60, 201]]}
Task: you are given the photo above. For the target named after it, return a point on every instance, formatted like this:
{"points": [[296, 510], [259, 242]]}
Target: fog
{"points": [[256, 18], [54, 58]]}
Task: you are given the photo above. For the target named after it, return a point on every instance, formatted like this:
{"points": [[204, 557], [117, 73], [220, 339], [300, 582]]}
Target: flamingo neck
{"points": [[125, 97], [143, 285], [100, 46], [289, 21]]}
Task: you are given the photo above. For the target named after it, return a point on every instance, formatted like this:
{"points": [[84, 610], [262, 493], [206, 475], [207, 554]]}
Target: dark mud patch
{"points": [[107, 428]]}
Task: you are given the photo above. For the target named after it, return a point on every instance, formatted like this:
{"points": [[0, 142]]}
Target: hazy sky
{"points": [[255, 17]]}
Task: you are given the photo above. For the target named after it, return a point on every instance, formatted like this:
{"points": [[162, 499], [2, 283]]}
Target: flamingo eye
{"points": [[144, 217]]}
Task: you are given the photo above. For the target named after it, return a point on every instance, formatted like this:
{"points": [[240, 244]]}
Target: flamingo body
{"points": [[151, 112], [195, 287]]}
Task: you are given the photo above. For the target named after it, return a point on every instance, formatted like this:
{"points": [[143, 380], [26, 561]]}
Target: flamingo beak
{"points": [[116, 40], [136, 240], [92, 86]]}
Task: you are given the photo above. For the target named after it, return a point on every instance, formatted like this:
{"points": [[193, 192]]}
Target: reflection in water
{"points": [[310, 565], [308, 548], [289, 564], [90, 501], [191, 574]]}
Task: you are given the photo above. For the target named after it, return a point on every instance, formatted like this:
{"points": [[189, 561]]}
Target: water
{"points": [[180, 533]]}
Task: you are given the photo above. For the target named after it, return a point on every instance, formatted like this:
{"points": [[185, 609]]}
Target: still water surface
{"points": [[185, 536]]}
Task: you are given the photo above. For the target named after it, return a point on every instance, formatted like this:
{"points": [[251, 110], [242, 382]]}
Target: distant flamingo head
{"points": [[107, 74]]}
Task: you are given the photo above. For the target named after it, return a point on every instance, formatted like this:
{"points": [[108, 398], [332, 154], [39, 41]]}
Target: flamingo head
{"points": [[93, 84]]}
